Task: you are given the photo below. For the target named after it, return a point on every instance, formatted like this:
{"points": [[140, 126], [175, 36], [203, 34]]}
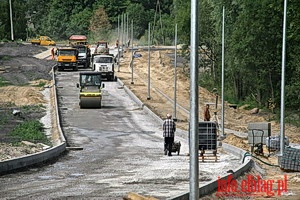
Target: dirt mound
{"points": [[21, 96]]}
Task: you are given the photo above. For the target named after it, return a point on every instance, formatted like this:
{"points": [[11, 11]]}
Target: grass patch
{"points": [[32, 108], [5, 57], [41, 84], [32, 131], [4, 82]]}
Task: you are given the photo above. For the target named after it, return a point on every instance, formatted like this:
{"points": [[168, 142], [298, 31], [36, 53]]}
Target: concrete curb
{"points": [[212, 185], [131, 94], [36, 158]]}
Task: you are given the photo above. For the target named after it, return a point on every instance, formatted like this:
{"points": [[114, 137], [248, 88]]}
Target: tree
{"points": [[99, 24], [140, 19], [5, 20], [79, 22], [99, 21]]}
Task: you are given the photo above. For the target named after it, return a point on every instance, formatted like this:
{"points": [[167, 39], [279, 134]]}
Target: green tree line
{"points": [[253, 37]]}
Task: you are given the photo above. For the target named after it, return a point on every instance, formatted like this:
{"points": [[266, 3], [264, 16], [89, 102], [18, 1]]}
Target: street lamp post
{"points": [[194, 104], [223, 68], [11, 21], [118, 42], [132, 58], [148, 98], [282, 106], [175, 74]]}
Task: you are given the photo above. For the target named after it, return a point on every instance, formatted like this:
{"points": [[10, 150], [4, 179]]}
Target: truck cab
{"points": [[84, 55], [105, 65], [67, 58]]}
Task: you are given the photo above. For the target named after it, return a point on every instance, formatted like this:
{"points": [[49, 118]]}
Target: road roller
{"points": [[90, 85]]}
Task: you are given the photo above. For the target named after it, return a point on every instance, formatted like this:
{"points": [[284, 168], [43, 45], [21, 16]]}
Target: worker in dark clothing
{"points": [[206, 113], [169, 128]]}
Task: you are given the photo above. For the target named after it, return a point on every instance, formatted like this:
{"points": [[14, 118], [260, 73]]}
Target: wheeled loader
{"points": [[90, 85]]}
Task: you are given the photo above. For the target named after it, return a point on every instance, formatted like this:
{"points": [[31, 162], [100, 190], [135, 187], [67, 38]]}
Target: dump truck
{"points": [[67, 58], [43, 41], [102, 48], [84, 53], [90, 85], [104, 63], [78, 40]]}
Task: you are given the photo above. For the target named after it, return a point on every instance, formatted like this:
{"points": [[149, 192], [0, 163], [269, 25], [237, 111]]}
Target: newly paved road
{"points": [[122, 153]]}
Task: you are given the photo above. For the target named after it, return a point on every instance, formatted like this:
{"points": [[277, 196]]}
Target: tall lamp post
{"points": [[132, 58], [118, 41], [194, 104], [175, 76], [223, 66], [282, 122], [148, 97], [11, 21]]}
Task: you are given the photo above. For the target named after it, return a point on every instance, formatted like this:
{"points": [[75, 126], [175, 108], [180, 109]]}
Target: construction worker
{"points": [[52, 53], [117, 43], [206, 113], [169, 128]]}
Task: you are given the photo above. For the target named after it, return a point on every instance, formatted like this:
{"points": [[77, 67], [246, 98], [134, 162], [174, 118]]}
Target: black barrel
{"points": [[207, 132]]}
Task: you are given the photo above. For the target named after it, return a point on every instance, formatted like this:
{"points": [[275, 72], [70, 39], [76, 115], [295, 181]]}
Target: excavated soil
{"points": [[25, 77]]}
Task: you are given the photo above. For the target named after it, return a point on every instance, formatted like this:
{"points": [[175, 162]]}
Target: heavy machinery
{"points": [[43, 41], [104, 63], [90, 85], [102, 48], [67, 58], [84, 55], [78, 40]]}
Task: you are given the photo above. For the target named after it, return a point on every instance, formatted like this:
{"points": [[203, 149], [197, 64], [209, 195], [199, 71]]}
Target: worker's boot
{"points": [[165, 149]]}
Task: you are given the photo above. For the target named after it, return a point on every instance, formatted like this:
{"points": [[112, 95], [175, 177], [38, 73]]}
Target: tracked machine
{"points": [[90, 85]]}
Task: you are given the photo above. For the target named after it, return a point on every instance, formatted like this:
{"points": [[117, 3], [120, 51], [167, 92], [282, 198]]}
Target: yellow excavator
{"points": [[90, 85]]}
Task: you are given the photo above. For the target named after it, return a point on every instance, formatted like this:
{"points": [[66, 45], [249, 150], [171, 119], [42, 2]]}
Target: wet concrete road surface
{"points": [[122, 153]]}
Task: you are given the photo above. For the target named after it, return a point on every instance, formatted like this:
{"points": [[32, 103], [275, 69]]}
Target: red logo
{"points": [[251, 186]]}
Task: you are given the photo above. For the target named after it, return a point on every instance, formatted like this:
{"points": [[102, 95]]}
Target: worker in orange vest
{"points": [[52, 53]]}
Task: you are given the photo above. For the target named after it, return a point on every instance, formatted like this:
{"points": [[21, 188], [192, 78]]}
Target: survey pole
{"points": [[194, 104]]}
